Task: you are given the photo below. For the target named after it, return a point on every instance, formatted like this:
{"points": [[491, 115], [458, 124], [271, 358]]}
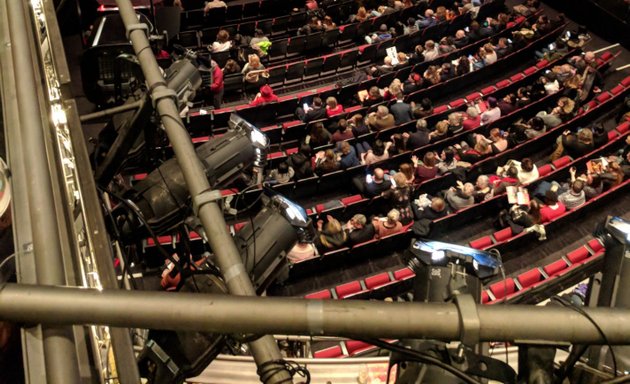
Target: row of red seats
{"points": [[347, 348], [347, 290], [536, 277]]}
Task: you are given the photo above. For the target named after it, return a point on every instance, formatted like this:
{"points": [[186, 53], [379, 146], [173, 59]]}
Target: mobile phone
{"points": [[369, 179], [568, 34], [552, 46], [547, 71], [467, 29], [391, 180], [509, 41]]}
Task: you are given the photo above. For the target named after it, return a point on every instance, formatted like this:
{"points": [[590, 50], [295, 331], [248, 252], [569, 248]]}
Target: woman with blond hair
{"points": [[400, 198], [388, 225], [332, 107], [222, 43]]}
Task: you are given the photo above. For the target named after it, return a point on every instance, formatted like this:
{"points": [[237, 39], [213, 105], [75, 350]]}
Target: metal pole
{"points": [[224, 314], [111, 111], [60, 353], [265, 349]]}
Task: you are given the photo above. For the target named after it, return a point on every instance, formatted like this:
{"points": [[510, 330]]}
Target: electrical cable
{"points": [[579, 310], [5, 261], [291, 366], [423, 358], [140, 217]]}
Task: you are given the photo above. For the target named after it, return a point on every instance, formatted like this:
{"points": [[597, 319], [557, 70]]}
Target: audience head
{"points": [[577, 186], [426, 104], [492, 102], [283, 167], [379, 175], [253, 60], [551, 197], [455, 119], [333, 227], [460, 34], [378, 149], [382, 111], [358, 220], [429, 45], [429, 159], [482, 182], [305, 149], [585, 136], [400, 179], [448, 154], [345, 147], [407, 170], [468, 190], [527, 164], [438, 204], [374, 92], [331, 102], [393, 216], [317, 101], [421, 125], [387, 61], [329, 155], [442, 127], [472, 112], [512, 172], [223, 36]]}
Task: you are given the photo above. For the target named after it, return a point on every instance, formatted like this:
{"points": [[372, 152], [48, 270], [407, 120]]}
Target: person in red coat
{"points": [[265, 96], [216, 88]]}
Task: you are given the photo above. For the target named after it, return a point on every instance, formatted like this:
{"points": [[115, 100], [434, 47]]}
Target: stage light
{"points": [[264, 242], [162, 197], [184, 78]]}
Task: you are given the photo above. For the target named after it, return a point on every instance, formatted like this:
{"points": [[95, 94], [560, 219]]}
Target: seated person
{"points": [[507, 104], [440, 132], [301, 162], [461, 40], [222, 43], [418, 138], [425, 169], [461, 196], [401, 110], [593, 182], [455, 122], [326, 162], [447, 161], [527, 170], [493, 112], [380, 70], [400, 196], [575, 196], [260, 43], [265, 96], [409, 172], [472, 155], [436, 210], [381, 119], [318, 136], [381, 35], [373, 97], [372, 185], [413, 83], [359, 230], [313, 112], [301, 251], [231, 66], [508, 179], [332, 107], [424, 109], [348, 156], [552, 207], [577, 145], [358, 125], [378, 153], [472, 120], [482, 189], [344, 132], [283, 174], [330, 236], [388, 225]]}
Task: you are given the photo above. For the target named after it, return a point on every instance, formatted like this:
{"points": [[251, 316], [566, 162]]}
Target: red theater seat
{"points": [[612, 135], [626, 82], [555, 267], [377, 280], [457, 103], [603, 97], [485, 298], [595, 245], [544, 170], [440, 109], [517, 77], [617, 90], [355, 346], [481, 243], [542, 63], [347, 289], [488, 90], [503, 234], [623, 127], [351, 199], [329, 353], [503, 288], [323, 294], [561, 162], [503, 83], [530, 70], [530, 277], [578, 255], [403, 274]]}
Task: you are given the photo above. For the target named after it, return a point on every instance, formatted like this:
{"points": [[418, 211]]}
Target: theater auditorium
{"points": [[315, 191]]}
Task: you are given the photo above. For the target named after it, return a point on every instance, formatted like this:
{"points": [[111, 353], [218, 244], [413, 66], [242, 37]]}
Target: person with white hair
{"points": [[472, 120], [460, 197], [428, 19], [359, 230], [482, 189], [381, 119]]}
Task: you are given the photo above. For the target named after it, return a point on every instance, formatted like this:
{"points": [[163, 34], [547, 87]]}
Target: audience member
{"points": [[552, 207], [381, 119], [461, 196], [283, 174], [326, 161], [436, 210], [418, 138], [359, 230], [401, 110], [301, 251], [301, 162], [399, 196], [330, 236], [314, 112], [265, 96], [575, 196], [493, 112], [348, 156], [425, 169], [344, 131], [378, 153], [472, 120], [387, 226], [222, 43], [482, 189]]}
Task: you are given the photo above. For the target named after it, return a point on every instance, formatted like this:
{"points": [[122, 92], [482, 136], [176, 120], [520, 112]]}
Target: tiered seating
{"points": [[548, 279]]}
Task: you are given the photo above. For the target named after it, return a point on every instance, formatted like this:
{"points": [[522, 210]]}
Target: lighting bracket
{"points": [[133, 27], [468, 319], [205, 197], [159, 94]]}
